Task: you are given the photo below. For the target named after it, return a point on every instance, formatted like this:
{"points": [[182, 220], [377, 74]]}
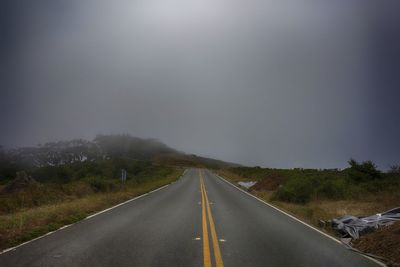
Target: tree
{"points": [[395, 169], [363, 172]]}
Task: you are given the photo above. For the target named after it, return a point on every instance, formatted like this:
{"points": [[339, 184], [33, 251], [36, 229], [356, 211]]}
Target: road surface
{"points": [[200, 220]]}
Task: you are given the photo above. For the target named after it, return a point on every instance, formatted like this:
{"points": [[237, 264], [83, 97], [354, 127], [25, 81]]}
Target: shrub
{"points": [[394, 169], [303, 189], [331, 189], [100, 184], [298, 190], [57, 174], [363, 172]]}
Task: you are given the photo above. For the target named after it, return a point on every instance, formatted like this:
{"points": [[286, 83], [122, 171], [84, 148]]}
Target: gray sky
{"points": [[270, 83]]}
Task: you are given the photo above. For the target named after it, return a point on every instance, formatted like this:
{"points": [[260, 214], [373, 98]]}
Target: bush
{"points": [[57, 174], [394, 169], [100, 184], [332, 189], [298, 190], [363, 172], [303, 189]]}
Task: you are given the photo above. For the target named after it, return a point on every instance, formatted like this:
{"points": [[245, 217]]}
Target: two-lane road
{"points": [[200, 220]]}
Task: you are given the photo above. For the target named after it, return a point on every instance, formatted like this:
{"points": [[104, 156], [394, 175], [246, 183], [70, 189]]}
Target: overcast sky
{"points": [[258, 82]]}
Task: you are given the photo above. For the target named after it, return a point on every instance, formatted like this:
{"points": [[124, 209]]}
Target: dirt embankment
{"points": [[384, 243]]}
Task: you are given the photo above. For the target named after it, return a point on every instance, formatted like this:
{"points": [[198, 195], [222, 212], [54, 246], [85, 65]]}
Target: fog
{"points": [[269, 83]]}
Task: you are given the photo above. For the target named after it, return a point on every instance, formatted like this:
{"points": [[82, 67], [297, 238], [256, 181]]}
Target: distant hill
{"points": [[192, 160], [102, 147]]}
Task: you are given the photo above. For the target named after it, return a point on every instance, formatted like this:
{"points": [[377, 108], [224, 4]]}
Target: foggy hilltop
{"points": [[102, 147]]}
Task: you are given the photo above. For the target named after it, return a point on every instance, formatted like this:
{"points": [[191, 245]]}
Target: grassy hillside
{"points": [[305, 185], [110, 147]]}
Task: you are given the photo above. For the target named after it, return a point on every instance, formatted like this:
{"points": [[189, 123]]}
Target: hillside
{"points": [[103, 147]]}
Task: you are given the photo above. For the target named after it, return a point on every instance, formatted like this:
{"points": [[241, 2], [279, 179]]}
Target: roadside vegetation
{"points": [[320, 195], [53, 184], [46, 187], [30, 207], [359, 182]]}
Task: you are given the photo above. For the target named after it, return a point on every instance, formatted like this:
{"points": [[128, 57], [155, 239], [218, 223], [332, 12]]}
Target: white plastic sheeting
{"points": [[353, 227], [247, 185]]}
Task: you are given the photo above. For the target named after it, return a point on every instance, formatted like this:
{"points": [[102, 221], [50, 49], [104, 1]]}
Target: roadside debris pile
{"points": [[247, 185], [352, 227], [269, 183]]}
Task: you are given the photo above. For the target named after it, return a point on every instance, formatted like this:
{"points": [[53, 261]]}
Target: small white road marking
{"points": [[197, 238], [222, 240]]}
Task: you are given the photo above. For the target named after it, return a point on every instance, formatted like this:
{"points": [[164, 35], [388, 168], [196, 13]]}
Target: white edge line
{"points": [[298, 220], [123, 203], [88, 217]]}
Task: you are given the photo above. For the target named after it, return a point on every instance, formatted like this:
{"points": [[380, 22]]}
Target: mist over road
{"points": [[200, 220]]}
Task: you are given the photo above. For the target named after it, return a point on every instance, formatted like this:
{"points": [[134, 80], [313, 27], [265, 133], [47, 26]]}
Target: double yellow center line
{"points": [[206, 210]]}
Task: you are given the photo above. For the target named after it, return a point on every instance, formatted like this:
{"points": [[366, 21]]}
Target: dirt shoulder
{"points": [[384, 242]]}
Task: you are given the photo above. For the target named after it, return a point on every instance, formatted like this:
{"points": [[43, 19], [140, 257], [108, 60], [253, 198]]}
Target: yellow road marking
{"points": [[217, 251], [206, 246]]}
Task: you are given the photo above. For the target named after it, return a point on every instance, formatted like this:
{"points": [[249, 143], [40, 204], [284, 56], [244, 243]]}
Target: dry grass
{"points": [[314, 211], [29, 223], [233, 176]]}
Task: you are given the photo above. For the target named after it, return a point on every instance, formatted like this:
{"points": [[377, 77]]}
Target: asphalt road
{"points": [[200, 220]]}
